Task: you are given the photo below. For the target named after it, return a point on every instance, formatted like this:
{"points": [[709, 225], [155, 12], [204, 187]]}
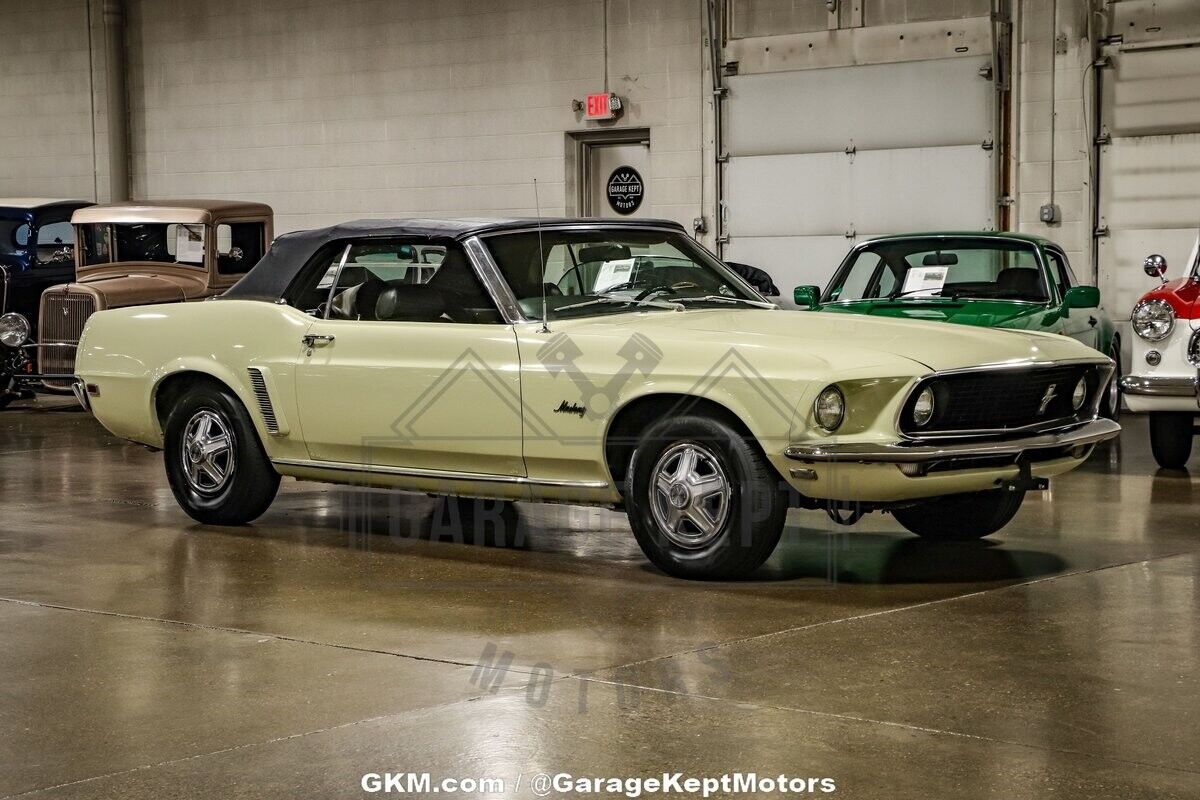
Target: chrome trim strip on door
{"points": [[449, 475]]}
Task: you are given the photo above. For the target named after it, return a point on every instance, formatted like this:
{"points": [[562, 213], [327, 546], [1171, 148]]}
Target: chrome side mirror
{"points": [[1156, 267]]}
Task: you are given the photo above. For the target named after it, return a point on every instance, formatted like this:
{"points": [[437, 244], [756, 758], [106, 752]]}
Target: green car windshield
{"points": [[606, 271], [920, 269]]}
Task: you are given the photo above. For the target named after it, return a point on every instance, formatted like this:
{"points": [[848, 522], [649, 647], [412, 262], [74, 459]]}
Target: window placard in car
{"points": [[189, 244], [924, 279]]}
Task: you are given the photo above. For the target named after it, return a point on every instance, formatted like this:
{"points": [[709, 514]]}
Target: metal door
{"points": [[822, 158], [604, 161]]}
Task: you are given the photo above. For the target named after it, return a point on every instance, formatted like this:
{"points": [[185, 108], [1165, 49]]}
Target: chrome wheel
{"points": [[207, 452], [1114, 385], [689, 495]]}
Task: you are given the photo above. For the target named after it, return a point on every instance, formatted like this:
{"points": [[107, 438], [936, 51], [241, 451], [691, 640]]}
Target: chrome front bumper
{"points": [[1081, 435], [1160, 386]]}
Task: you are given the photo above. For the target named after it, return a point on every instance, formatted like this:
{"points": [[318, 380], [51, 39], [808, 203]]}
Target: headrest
{"points": [[1019, 279], [409, 303], [604, 252]]}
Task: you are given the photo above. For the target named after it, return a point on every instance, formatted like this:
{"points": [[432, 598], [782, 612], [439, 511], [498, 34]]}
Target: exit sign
{"points": [[601, 106]]}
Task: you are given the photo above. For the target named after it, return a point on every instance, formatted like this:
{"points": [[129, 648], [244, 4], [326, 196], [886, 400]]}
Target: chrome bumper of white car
{"points": [[1160, 386], [1081, 435]]}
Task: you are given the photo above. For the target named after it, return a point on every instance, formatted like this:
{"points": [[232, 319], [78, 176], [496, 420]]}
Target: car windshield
{"points": [[609, 271], [170, 243], [923, 269], [14, 235]]}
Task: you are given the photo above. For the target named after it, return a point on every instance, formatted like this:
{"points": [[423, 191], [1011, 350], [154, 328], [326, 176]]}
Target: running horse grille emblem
{"points": [[1047, 398]]}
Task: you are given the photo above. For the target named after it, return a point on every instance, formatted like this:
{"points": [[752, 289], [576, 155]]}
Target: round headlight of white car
{"points": [[923, 409], [14, 329], [830, 408], [1153, 320], [1079, 396]]}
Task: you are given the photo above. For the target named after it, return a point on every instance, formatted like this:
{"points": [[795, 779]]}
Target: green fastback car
{"points": [[997, 280]]}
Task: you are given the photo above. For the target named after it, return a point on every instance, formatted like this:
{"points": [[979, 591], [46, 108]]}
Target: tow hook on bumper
{"points": [[1025, 481]]}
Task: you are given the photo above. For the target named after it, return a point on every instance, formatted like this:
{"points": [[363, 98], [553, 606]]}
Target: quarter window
{"points": [[1060, 270]]}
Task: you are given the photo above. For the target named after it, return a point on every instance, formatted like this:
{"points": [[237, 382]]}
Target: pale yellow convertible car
{"points": [[611, 363]]}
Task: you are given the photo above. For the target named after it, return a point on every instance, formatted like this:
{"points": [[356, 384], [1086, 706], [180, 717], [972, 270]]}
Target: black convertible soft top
{"points": [[271, 276]]}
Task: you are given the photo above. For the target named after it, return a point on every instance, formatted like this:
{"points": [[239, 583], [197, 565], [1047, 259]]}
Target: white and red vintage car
{"points": [[1164, 375]]}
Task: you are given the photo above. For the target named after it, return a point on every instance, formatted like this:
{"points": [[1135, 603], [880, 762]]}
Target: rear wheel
{"points": [[1171, 438], [961, 517], [215, 463], [702, 501], [1110, 406]]}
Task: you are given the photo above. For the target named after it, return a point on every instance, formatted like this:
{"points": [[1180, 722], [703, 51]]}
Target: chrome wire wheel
{"points": [[207, 452], [689, 495]]}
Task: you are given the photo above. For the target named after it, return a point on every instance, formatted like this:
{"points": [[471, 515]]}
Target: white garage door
{"points": [[822, 158], [1150, 169]]}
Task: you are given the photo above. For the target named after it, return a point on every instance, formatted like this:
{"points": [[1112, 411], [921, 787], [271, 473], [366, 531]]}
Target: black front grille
{"points": [[998, 400]]}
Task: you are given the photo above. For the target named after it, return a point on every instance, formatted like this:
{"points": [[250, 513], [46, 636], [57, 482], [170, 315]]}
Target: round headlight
{"points": [[830, 408], [1153, 319], [923, 409], [14, 330], [1079, 396]]}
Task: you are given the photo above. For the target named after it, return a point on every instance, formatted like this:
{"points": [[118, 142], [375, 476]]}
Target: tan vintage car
{"points": [[143, 253]]}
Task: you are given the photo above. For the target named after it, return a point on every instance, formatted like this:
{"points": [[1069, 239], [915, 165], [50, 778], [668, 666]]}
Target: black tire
{"points": [[1171, 435], [249, 483], [1110, 406], [741, 537], [961, 517]]}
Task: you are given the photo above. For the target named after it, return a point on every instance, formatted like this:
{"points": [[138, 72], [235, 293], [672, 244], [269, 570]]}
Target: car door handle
{"points": [[313, 339]]}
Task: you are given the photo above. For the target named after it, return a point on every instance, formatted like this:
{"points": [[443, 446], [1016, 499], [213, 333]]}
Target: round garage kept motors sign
{"points": [[625, 190]]}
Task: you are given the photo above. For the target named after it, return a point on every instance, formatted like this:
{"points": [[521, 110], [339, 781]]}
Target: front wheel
{"points": [[1110, 406], [215, 463], [702, 500], [961, 517], [1171, 438]]}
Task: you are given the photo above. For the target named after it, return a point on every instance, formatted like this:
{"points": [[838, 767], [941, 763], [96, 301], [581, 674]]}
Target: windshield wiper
{"points": [[720, 298], [625, 301], [915, 291]]}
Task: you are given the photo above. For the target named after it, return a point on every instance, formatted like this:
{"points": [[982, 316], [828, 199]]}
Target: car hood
{"points": [[130, 289], [982, 313], [842, 338]]}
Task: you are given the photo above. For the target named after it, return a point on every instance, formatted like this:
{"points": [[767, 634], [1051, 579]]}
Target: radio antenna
{"points": [[537, 206]]}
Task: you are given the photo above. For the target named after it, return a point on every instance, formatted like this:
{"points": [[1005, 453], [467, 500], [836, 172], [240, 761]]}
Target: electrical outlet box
{"points": [[1048, 214]]}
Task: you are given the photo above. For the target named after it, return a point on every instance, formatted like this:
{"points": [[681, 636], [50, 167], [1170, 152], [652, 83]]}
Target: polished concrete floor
{"points": [[144, 656]]}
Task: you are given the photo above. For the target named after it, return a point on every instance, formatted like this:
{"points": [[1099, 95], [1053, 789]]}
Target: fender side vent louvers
{"points": [[259, 384]]}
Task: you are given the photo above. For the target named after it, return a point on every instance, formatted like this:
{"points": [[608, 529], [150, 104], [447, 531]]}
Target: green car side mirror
{"points": [[807, 297], [1081, 297]]}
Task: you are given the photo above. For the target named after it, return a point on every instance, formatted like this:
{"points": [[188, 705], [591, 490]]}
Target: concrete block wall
{"points": [[1055, 86], [47, 147], [382, 108]]}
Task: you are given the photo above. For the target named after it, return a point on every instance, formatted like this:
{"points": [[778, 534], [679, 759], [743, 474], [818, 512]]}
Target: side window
{"points": [[1060, 271], [381, 280], [240, 245], [56, 243]]}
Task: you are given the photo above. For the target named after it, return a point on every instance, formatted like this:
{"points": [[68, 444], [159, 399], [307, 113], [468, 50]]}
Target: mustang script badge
{"points": [[570, 408]]}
